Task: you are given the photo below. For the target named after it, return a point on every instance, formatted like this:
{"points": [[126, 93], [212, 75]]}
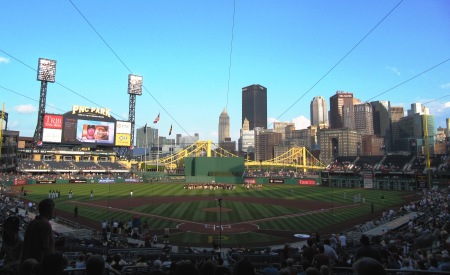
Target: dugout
{"points": [[219, 169]]}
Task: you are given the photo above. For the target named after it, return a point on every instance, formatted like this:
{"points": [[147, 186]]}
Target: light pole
{"points": [[219, 203]]}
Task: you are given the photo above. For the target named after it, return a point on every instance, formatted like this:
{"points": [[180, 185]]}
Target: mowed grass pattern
{"points": [[268, 216]]}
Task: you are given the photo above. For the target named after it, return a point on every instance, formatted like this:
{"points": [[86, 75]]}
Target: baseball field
{"points": [[259, 217]]}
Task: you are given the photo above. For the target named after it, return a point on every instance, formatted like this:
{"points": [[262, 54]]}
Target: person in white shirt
{"points": [[343, 241]]}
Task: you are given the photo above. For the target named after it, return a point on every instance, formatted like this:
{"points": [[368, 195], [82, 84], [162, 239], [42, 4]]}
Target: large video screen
{"points": [[88, 131]]}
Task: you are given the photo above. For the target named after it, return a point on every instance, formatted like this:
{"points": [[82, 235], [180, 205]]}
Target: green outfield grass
{"points": [[242, 206]]}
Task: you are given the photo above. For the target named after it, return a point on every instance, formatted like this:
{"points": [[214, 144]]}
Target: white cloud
{"points": [[270, 121], [301, 122], [445, 86], [4, 59], [447, 104], [25, 109], [393, 69]]}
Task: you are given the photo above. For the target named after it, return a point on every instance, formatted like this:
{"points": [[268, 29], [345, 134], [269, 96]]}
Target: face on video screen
{"points": [[95, 131]]}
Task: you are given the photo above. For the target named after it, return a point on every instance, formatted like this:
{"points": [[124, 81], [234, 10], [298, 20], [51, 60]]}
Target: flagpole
{"points": [[145, 151], [157, 154]]}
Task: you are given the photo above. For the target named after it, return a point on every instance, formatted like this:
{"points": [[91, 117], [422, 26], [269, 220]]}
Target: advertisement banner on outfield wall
{"points": [[20, 182], [368, 180], [77, 181], [45, 181], [250, 181], [276, 181], [132, 180], [106, 180], [306, 182]]}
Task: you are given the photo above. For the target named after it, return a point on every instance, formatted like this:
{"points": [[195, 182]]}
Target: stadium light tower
{"points": [[46, 73], [134, 88]]}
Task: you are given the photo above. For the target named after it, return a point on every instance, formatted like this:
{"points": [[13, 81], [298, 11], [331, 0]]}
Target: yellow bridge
{"points": [[295, 157]]}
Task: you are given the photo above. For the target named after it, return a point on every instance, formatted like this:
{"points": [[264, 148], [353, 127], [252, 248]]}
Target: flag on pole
{"points": [[156, 119], [145, 128], [170, 131]]}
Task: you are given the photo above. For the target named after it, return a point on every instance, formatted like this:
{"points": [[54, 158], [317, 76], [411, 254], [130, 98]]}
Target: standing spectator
{"points": [[366, 250], [330, 252], [342, 241], [309, 252], [39, 241], [333, 241], [320, 259]]}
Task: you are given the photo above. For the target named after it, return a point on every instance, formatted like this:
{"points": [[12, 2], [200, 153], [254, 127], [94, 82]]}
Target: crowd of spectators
{"points": [[389, 163], [276, 173], [209, 186]]}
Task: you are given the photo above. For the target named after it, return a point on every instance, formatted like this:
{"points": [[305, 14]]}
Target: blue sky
{"points": [[182, 49]]}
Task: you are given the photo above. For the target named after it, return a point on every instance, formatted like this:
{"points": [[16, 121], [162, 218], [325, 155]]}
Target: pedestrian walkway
{"points": [[391, 225]]}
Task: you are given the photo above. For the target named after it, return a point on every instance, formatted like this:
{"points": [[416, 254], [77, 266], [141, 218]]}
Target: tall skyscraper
{"points": [[363, 118], [224, 126], [382, 121], [397, 112], [447, 121], [319, 112], [341, 109], [147, 137], [254, 106]]}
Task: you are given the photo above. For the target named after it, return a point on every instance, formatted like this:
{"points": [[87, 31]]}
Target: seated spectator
{"points": [[312, 271], [445, 264], [109, 269], [290, 267], [221, 269], [368, 266], [12, 245], [185, 268], [30, 267], [244, 267], [95, 265], [270, 269], [53, 264]]}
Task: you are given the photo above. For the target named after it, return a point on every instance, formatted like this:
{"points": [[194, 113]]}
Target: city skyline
{"points": [[195, 59]]}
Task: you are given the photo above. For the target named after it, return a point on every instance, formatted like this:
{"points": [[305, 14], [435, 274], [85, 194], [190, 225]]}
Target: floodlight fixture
{"points": [[46, 70], [134, 84]]}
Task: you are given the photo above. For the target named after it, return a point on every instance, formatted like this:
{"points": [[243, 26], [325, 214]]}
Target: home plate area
{"points": [[212, 227]]}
